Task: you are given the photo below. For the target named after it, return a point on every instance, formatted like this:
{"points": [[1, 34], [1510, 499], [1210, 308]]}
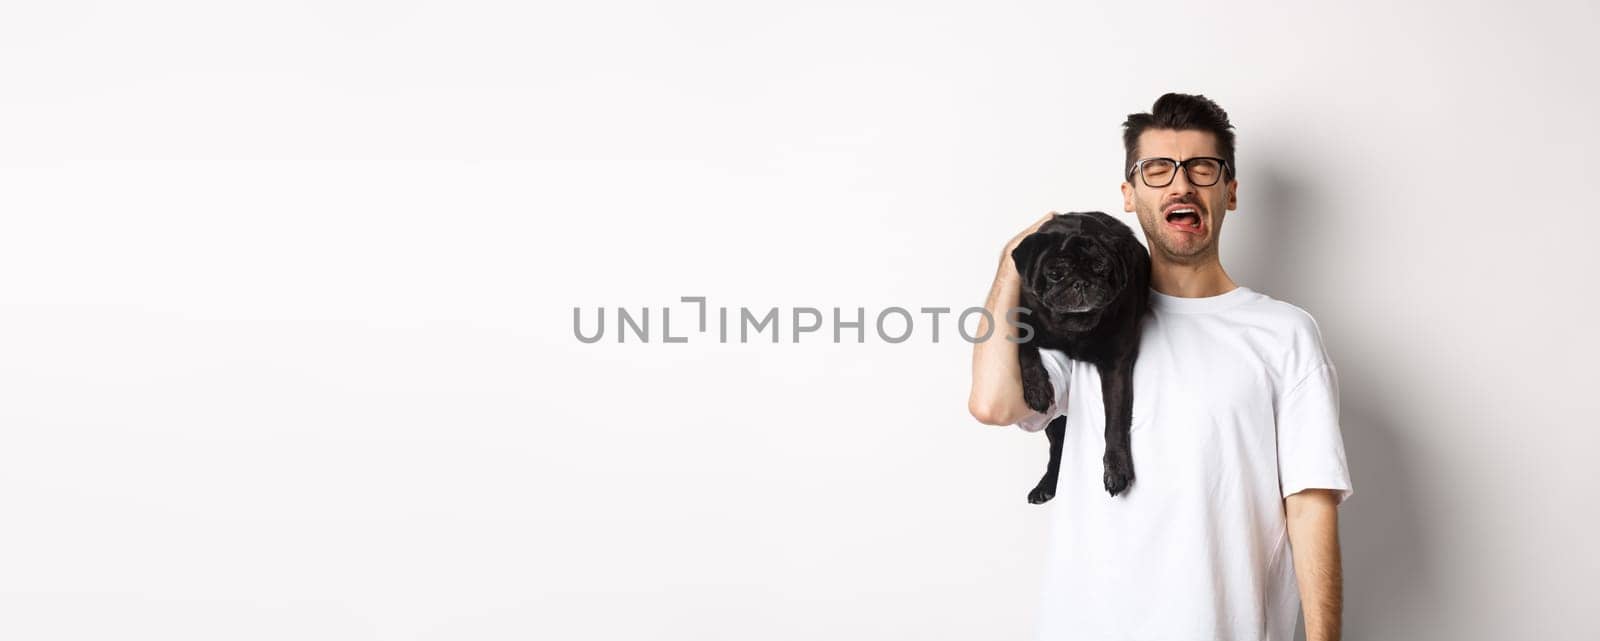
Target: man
{"points": [[1231, 521]]}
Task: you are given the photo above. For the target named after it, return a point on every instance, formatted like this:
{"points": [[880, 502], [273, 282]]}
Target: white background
{"points": [[286, 298]]}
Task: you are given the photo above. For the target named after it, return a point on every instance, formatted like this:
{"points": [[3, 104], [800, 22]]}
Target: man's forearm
{"points": [[1313, 522], [996, 397]]}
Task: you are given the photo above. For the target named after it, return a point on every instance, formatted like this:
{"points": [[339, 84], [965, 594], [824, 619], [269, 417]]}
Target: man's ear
{"points": [[1029, 250]]}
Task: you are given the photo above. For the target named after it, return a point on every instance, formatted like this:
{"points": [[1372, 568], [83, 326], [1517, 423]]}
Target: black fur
{"points": [[1086, 282]]}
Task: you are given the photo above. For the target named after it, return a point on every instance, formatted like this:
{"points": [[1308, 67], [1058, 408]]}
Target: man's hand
{"points": [[1005, 256], [996, 397]]}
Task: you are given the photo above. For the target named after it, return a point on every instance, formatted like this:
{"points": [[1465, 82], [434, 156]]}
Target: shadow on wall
{"points": [[1275, 234]]}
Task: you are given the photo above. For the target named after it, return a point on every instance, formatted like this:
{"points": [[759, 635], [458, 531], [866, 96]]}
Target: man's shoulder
{"points": [[1282, 313], [1297, 335]]}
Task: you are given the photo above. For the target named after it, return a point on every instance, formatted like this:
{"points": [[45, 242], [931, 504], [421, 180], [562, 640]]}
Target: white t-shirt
{"points": [[1236, 406]]}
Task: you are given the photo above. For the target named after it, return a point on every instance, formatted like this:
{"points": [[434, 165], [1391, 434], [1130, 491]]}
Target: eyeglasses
{"points": [[1203, 171]]}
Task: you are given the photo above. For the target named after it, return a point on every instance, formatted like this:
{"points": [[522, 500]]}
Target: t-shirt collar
{"points": [[1183, 305]]}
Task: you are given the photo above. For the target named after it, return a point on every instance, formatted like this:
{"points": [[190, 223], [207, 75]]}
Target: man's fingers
{"points": [[1015, 240], [1040, 223], [1036, 225]]}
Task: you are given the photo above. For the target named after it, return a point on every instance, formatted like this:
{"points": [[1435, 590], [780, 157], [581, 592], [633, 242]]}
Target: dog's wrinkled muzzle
{"points": [[1074, 298]]}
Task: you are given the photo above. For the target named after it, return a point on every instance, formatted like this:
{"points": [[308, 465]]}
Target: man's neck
{"points": [[1201, 279]]}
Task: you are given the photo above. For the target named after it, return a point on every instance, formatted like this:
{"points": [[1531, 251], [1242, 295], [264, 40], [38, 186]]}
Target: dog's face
{"points": [[1074, 277]]}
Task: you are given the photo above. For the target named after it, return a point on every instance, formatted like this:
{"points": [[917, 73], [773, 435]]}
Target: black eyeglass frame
{"points": [[1183, 166]]}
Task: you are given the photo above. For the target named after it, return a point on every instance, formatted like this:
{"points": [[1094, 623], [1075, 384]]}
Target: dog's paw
{"points": [[1038, 397], [1119, 471], [1043, 493]]}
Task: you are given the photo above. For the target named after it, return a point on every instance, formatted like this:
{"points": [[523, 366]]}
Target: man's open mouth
{"points": [[1185, 218]]}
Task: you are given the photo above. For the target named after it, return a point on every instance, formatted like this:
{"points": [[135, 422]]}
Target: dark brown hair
{"points": [[1179, 111]]}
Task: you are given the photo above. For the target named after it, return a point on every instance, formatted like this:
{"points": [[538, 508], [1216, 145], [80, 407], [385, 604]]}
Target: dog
{"points": [[1086, 286]]}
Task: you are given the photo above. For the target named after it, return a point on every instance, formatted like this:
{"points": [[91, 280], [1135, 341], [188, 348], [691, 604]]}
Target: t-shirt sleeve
{"points": [[1310, 444], [1059, 367]]}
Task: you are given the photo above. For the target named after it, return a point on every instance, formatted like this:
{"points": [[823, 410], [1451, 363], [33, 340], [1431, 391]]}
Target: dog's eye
{"points": [[1052, 276]]}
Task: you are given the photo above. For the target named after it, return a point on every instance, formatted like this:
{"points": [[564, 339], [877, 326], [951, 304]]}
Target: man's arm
{"points": [[996, 397], [1313, 521]]}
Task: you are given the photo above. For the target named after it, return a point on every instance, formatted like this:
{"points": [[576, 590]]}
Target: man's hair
{"points": [[1179, 111]]}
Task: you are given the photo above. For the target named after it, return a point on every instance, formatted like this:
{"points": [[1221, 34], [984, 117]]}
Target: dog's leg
{"points": [[1116, 385], [1036, 388], [1046, 489]]}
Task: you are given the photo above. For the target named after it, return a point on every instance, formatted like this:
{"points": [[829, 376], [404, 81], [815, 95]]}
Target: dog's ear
{"points": [[1030, 249], [1137, 260]]}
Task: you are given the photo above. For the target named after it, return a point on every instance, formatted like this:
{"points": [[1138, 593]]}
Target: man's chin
{"points": [[1185, 246]]}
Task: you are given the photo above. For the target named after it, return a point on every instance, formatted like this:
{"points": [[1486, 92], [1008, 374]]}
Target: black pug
{"points": [[1086, 284]]}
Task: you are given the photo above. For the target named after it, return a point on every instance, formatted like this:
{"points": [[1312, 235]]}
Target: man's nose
{"points": [[1180, 184]]}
